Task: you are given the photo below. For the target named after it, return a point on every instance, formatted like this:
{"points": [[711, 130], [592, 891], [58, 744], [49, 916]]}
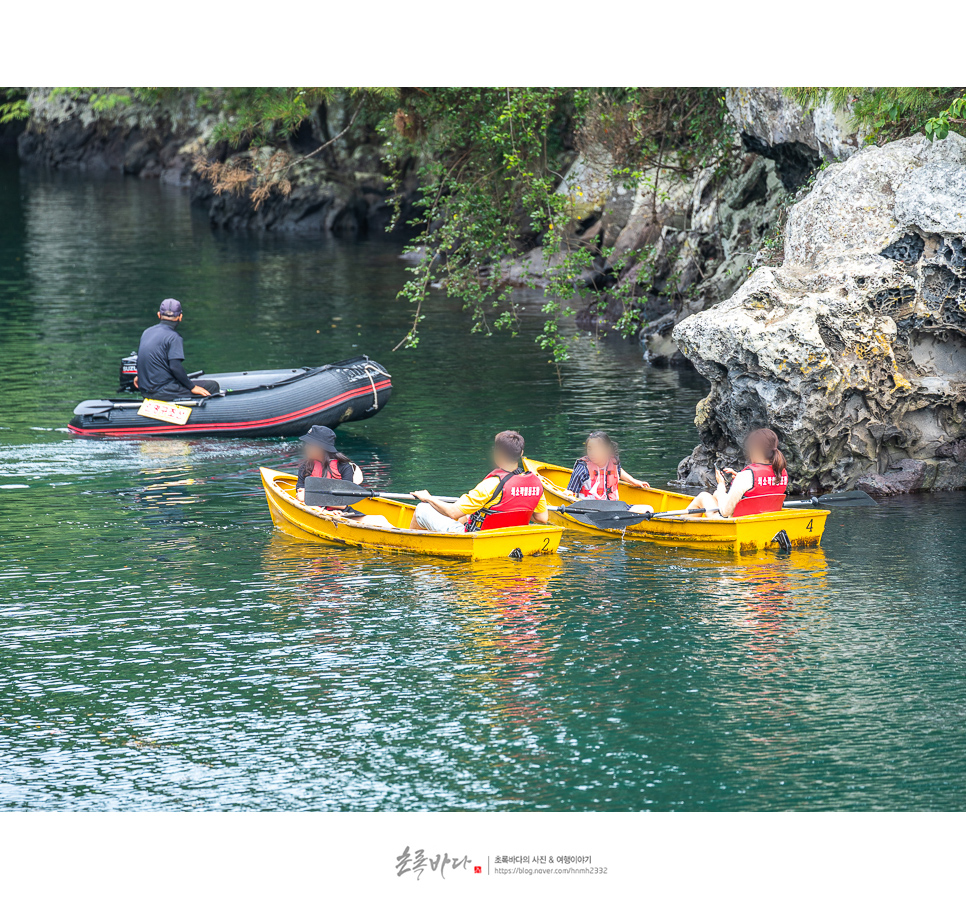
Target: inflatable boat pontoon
{"points": [[271, 403]]}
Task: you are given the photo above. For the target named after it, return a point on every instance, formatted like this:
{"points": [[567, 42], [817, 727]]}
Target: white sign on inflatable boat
{"points": [[165, 411]]}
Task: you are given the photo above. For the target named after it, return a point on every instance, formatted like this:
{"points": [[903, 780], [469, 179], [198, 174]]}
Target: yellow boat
{"points": [[316, 524], [804, 527]]}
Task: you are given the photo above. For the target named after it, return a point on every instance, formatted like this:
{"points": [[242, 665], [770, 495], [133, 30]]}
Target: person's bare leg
{"points": [[698, 501], [705, 501], [374, 520]]}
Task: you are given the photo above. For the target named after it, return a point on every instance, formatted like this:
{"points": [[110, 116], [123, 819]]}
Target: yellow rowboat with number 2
{"points": [[803, 527], [317, 524]]}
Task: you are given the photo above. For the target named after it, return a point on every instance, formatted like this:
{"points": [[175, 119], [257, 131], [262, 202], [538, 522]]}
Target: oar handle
{"points": [[815, 502], [668, 514], [339, 488], [407, 497]]}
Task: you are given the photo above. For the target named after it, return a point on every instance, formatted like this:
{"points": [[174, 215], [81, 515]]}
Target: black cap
{"points": [[324, 437]]}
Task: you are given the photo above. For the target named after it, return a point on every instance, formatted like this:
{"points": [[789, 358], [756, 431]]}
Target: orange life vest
{"points": [[767, 493], [328, 470], [603, 482], [519, 494]]}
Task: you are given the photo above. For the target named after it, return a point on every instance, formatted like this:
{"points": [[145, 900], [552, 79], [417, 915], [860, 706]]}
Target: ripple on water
{"points": [[162, 648]]}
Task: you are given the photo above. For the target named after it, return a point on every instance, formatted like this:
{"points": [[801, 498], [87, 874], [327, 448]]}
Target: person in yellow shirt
{"points": [[507, 497]]}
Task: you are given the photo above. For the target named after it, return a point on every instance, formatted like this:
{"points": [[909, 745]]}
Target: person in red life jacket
{"points": [[759, 488], [507, 497], [322, 459], [599, 473]]}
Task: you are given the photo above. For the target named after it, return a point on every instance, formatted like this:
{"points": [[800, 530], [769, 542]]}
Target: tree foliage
{"points": [[889, 112], [491, 163], [263, 119], [13, 104], [490, 160], [493, 160], [939, 125]]}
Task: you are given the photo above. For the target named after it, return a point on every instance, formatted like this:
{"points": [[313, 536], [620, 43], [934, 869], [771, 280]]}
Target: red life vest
{"points": [[767, 494], [518, 499], [604, 482], [328, 470]]}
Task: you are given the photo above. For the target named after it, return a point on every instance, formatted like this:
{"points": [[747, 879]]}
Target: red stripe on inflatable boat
{"points": [[236, 426]]}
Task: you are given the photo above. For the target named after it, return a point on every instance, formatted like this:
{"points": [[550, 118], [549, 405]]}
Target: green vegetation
{"points": [[260, 121], [491, 160], [13, 104], [890, 112], [491, 164]]}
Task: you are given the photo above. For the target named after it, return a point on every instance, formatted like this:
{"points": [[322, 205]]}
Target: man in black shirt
{"points": [[161, 373]]}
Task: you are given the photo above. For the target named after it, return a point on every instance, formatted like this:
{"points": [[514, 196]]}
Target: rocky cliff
{"points": [[153, 142], [679, 242], [797, 140], [344, 191], [854, 350]]}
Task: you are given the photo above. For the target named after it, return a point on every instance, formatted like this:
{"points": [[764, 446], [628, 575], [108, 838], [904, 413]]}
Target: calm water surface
{"points": [[162, 648]]}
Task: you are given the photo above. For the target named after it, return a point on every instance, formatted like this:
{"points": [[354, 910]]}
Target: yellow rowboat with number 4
{"points": [[317, 524], [555, 480], [802, 527]]}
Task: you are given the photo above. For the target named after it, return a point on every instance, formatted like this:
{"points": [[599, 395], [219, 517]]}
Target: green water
{"points": [[162, 648]]}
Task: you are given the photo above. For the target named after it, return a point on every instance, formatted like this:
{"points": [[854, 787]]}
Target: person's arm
{"points": [[467, 504], [578, 478], [450, 509], [176, 366], [300, 483], [631, 481], [540, 513], [727, 500]]}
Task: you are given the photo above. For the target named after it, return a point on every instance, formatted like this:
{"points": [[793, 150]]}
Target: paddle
{"points": [[854, 499], [94, 406], [339, 492], [610, 515], [617, 514], [610, 520]]}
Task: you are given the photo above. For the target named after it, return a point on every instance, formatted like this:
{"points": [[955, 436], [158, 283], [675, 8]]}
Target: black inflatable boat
{"points": [[251, 403]]}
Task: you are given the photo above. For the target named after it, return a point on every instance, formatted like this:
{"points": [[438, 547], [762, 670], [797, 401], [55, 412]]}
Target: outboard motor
{"points": [[129, 370]]}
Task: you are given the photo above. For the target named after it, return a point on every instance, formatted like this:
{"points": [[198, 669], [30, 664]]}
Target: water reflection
{"points": [[153, 450], [768, 584], [163, 646], [505, 611]]}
